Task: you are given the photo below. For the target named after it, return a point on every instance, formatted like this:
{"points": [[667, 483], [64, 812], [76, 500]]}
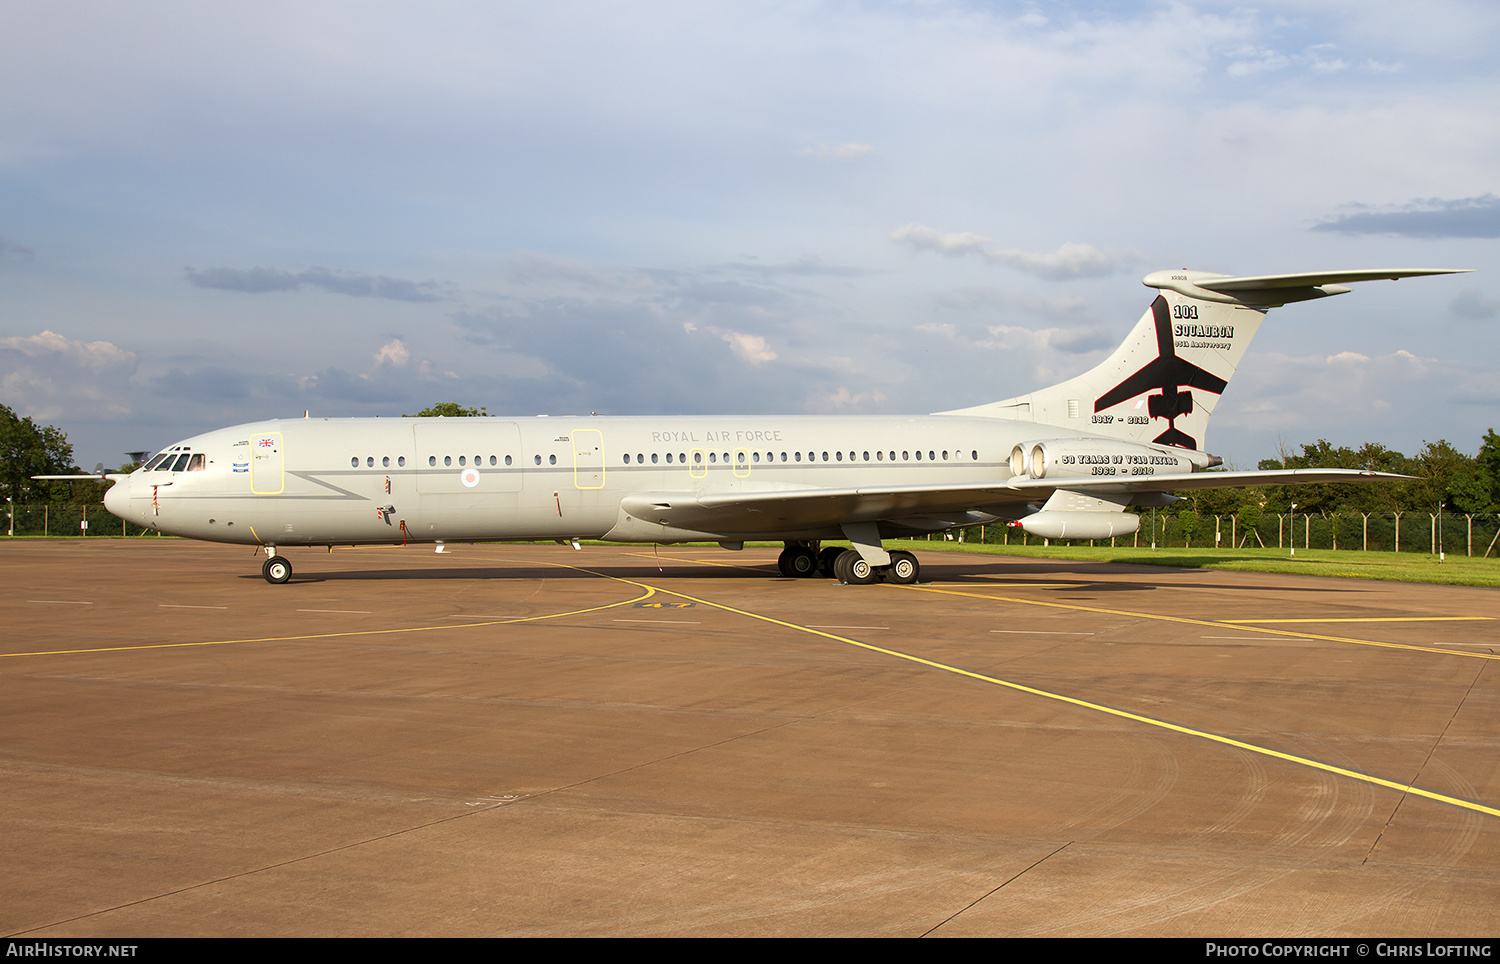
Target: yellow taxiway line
{"points": [[1211, 623], [1085, 704], [647, 594]]}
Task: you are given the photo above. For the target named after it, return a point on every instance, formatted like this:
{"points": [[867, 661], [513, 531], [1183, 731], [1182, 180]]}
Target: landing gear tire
{"points": [[797, 562], [276, 570], [903, 569], [854, 570], [828, 562]]}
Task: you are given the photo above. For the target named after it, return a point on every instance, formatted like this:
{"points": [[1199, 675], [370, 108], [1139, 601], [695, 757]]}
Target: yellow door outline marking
{"points": [[579, 479]]}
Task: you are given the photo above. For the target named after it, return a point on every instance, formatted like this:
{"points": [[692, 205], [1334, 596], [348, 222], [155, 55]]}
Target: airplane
{"points": [[1064, 462]]}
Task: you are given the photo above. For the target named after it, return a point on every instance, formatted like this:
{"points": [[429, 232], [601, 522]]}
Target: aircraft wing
{"points": [[780, 510], [1182, 481]]}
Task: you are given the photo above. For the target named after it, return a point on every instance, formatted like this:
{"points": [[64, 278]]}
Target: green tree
{"points": [[28, 449], [448, 410], [1187, 524], [1443, 470], [1479, 489], [1249, 514]]}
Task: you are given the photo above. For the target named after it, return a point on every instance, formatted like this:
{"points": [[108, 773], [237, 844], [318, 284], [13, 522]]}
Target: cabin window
{"points": [[447, 460], [432, 460], [930, 456], [538, 460], [681, 457], [905, 456], [627, 458], [757, 457], [401, 460], [653, 458], [867, 456], [385, 461], [974, 455], [461, 460], [797, 456], [354, 462], [697, 458], [919, 455], [493, 460], [507, 460], [551, 460], [839, 456]]}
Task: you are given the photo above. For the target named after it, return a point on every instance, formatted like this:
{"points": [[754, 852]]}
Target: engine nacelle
{"points": [[1071, 458]]}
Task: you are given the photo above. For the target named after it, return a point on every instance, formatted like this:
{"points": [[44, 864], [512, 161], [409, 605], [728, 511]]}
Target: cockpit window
{"points": [[197, 463], [154, 463]]}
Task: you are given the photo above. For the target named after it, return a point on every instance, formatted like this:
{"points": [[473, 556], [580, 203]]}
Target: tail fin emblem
{"points": [[1166, 372]]}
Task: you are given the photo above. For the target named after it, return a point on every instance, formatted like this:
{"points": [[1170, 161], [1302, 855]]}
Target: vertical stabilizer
{"points": [[1161, 385]]}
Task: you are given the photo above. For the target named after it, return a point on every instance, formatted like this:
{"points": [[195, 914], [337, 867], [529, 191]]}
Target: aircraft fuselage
{"points": [[364, 481]]}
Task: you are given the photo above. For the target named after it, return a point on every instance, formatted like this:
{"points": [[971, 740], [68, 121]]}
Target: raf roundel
{"points": [[469, 477]]}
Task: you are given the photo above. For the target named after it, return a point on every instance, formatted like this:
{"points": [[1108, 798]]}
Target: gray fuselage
{"points": [[365, 481]]}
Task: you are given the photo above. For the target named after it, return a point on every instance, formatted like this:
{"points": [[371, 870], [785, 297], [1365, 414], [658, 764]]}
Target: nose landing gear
{"points": [[277, 569]]}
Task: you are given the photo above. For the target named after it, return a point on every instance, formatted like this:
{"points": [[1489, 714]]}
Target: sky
{"points": [[214, 213]]}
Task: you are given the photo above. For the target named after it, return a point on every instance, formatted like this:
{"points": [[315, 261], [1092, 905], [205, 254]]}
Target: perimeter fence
{"points": [[1421, 532], [56, 519]]}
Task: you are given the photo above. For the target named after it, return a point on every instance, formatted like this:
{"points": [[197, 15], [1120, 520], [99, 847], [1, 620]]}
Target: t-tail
{"points": [[1161, 385]]}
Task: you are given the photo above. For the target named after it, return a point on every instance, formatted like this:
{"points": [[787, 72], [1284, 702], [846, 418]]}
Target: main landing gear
{"points": [[846, 565], [276, 569]]}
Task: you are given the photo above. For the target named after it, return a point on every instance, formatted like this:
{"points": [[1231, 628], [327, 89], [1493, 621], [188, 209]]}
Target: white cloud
{"points": [[393, 353], [840, 152], [750, 348], [51, 377], [1068, 261]]}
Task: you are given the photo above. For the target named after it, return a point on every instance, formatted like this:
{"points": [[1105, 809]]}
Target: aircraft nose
{"points": [[116, 498]]}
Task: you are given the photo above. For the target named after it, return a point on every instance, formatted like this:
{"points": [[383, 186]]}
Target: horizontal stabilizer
{"points": [[1274, 290]]}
